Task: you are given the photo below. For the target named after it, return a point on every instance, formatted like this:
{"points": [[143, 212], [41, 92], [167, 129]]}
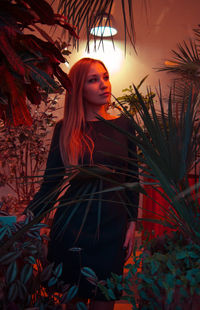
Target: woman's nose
{"points": [[103, 83]]}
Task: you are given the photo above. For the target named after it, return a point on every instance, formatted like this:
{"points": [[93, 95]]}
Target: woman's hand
{"points": [[129, 240]]}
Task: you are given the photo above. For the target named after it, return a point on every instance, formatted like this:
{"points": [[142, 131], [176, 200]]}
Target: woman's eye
{"points": [[106, 78], [93, 80]]}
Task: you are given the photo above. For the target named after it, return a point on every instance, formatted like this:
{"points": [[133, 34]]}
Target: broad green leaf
{"points": [[104, 290], [81, 306], [111, 294], [52, 281], [42, 78], [30, 260], [46, 272], [9, 257], [170, 280], [26, 273], [110, 284], [156, 290], [170, 294], [58, 270], [72, 292], [11, 272], [22, 290], [154, 267], [145, 278], [181, 255], [88, 272], [143, 295], [12, 292], [171, 267]]}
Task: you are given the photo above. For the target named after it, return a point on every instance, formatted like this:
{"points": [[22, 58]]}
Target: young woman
{"points": [[93, 226]]}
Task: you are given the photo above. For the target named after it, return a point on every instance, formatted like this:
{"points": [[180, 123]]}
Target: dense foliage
{"points": [[28, 63], [23, 154]]}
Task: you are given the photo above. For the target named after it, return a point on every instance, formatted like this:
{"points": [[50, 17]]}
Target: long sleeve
{"points": [[46, 197]]}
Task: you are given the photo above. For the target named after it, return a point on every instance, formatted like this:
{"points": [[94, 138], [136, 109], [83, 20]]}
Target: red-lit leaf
{"points": [[43, 79], [48, 49], [44, 34], [62, 21], [32, 94], [17, 101], [63, 78], [10, 54], [19, 13], [43, 10]]}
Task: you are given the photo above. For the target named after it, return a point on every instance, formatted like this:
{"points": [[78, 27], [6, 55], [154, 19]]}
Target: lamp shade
{"points": [[104, 26]]}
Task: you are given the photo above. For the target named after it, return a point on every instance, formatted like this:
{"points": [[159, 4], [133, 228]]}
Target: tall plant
{"points": [[168, 146]]}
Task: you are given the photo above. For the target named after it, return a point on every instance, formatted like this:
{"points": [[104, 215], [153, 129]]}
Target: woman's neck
{"points": [[92, 114]]}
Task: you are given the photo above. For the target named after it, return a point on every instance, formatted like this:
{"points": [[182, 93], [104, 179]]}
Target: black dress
{"points": [[91, 233]]}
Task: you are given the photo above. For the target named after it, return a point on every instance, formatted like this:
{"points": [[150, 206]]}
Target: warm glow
{"points": [[112, 56]]}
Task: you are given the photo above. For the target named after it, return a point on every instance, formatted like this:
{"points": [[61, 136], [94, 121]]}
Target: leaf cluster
{"points": [[161, 278], [186, 59], [28, 63], [130, 100], [23, 152], [27, 279]]}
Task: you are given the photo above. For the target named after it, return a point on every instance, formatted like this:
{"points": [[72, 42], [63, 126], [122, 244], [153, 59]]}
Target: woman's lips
{"points": [[105, 94]]}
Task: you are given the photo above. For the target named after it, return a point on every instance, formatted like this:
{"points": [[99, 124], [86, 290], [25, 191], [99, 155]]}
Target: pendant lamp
{"points": [[104, 26]]}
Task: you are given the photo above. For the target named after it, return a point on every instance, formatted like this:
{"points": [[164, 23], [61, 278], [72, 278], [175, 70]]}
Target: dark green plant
{"points": [[130, 100], [165, 275], [27, 279], [168, 147]]}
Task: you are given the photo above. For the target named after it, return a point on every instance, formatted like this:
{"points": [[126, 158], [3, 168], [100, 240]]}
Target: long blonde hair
{"points": [[73, 140]]}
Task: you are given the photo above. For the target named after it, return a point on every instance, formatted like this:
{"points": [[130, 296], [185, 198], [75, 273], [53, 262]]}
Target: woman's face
{"points": [[97, 87]]}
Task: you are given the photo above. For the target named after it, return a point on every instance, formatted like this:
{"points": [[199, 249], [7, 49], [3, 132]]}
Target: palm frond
{"points": [[186, 59], [83, 14]]}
